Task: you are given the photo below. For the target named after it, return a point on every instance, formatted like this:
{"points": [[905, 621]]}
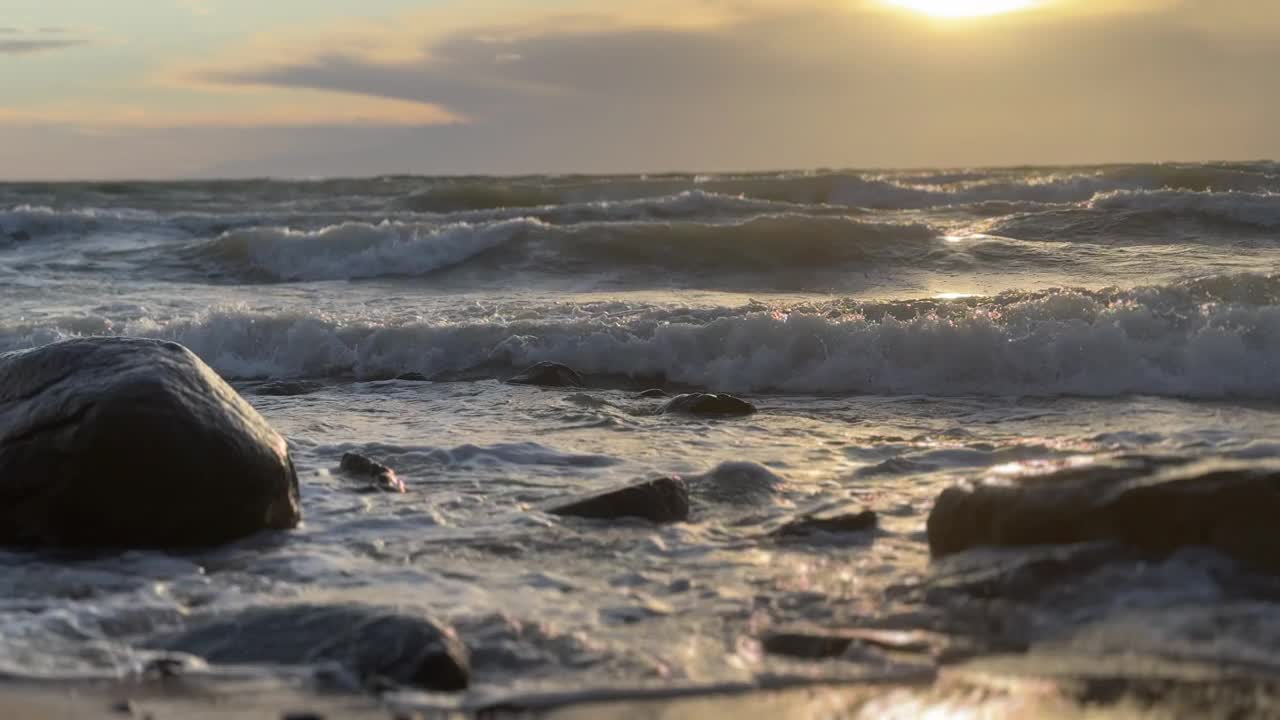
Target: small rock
{"points": [[165, 667], [381, 477], [413, 377], [664, 500], [304, 715], [122, 707], [370, 642], [288, 388], [812, 643], [653, 393], [708, 405], [548, 374], [848, 522]]}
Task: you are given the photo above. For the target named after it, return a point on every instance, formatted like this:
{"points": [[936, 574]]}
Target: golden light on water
{"points": [[963, 8]]}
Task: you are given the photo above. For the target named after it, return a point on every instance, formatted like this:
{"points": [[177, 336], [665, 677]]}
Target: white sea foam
{"points": [[1177, 341]]}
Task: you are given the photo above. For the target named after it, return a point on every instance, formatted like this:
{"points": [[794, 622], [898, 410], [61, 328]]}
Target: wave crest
{"points": [[1212, 338]]}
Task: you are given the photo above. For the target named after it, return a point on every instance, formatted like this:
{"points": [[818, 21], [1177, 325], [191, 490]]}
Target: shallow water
{"points": [[900, 332]]}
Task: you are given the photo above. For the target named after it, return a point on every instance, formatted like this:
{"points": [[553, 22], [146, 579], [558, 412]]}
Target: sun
{"points": [[963, 8]]}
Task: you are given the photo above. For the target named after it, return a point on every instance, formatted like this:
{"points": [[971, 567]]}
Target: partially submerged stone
{"points": [[128, 442], [653, 393], [548, 374], [664, 500], [817, 643], [379, 476], [375, 644], [835, 521], [1155, 505], [708, 404]]}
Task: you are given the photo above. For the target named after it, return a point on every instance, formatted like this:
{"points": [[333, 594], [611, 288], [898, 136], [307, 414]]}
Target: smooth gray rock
{"points": [[664, 500], [548, 374], [373, 643], [126, 442], [707, 404], [1155, 505]]}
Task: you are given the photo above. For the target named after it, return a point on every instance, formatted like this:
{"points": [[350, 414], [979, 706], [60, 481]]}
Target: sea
{"points": [[899, 331]]}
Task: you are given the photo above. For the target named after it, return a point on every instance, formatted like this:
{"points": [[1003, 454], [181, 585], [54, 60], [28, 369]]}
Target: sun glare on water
{"points": [[963, 8]]}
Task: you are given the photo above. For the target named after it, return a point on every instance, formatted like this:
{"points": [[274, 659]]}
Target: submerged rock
{"points": [[548, 374], [413, 377], [739, 482], [379, 476], [1155, 505], [815, 643], [375, 644], [664, 500], [708, 404], [837, 520], [288, 388], [126, 442], [652, 393]]}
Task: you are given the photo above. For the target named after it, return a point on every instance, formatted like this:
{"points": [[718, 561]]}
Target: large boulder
{"points": [[375, 644], [126, 442], [1155, 505]]}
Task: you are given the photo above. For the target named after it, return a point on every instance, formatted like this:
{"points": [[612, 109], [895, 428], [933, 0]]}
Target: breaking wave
{"points": [[762, 243], [1216, 337]]}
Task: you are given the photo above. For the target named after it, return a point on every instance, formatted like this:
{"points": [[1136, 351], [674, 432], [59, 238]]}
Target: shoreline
{"points": [[1001, 687]]}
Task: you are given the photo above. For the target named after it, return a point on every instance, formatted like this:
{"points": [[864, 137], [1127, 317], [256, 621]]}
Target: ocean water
{"points": [[899, 331]]}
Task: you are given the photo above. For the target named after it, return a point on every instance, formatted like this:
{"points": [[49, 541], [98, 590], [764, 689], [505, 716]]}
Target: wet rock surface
{"points": [[124, 442], [375, 644], [653, 393], [832, 521], [1155, 505], [663, 500], [548, 374], [708, 405], [378, 476]]}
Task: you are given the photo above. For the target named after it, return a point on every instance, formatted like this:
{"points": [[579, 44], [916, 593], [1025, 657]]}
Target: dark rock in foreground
{"points": [[815, 643], [373, 643], [832, 522], [288, 388], [664, 500], [379, 476], [413, 377], [125, 442], [1153, 505], [548, 374], [708, 404]]}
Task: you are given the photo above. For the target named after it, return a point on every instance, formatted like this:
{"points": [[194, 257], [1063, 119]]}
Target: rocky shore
{"points": [[1028, 606]]}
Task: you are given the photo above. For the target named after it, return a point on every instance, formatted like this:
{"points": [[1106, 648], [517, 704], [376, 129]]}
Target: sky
{"points": [[93, 89]]}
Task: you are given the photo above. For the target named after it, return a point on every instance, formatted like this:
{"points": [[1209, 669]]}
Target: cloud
{"points": [[811, 84], [15, 41], [306, 110]]}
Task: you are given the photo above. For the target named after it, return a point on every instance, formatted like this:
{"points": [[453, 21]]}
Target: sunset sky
{"points": [[199, 88]]}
